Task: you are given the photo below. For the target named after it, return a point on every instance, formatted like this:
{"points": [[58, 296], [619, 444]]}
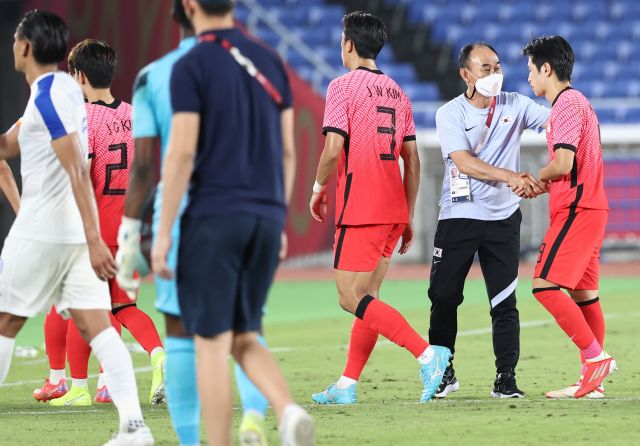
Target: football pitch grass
{"points": [[308, 333]]}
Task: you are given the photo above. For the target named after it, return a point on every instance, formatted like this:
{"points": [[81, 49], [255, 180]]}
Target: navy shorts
{"points": [[226, 264]]}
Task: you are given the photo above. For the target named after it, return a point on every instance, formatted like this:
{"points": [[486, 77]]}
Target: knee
{"points": [[242, 342], [349, 299], [174, 327], [11, 324]]}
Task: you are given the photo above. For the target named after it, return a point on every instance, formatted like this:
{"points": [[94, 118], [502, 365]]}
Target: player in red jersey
{"points": [[111, 149], [369, 125], [570, 253]]}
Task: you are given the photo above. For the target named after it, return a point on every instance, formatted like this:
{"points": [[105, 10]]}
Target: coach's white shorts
{"points": [[36, 275]]}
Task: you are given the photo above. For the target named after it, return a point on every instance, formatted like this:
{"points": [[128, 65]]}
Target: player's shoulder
{"points": [[571, 98], [452, 108], [160, 69], [512, 99], [56, 83]]}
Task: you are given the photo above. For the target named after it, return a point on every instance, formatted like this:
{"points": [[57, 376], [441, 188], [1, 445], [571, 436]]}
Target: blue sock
{"points": [[250, 396], [182, 390]]}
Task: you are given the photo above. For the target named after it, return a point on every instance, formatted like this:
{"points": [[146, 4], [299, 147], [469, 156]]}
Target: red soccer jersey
{"points": [[374, 115], [111, 151], [573, 125]]}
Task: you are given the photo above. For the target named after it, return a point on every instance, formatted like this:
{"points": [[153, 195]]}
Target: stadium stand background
{"points": [[425, 37]]}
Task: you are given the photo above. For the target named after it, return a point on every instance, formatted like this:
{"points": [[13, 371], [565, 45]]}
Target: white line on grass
{"points": [[52, 412], [38, 381]]}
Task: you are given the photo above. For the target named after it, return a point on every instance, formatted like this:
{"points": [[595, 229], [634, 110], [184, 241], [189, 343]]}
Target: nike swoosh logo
{"points": [[70, 402], [467, 129]]}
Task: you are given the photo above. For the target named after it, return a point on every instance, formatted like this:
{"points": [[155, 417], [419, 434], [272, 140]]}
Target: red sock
{"points": [[55, 334], [386, 320], [139, 325], [78, 352], [361, 344], [592, 312], [569, 317]]}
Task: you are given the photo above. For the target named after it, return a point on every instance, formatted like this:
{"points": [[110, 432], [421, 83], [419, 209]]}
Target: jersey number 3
{"points": [[113, 167], [391, 156]]}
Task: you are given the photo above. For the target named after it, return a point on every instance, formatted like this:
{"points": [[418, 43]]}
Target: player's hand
{"points": [[407, 239], [129, 258], [284, 246], [319, 205], [159, 255], [101, 259]]}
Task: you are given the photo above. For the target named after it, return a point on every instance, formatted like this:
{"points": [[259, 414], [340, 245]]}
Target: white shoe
{"points": [[298, 428], [570, 392], [139, 437]]}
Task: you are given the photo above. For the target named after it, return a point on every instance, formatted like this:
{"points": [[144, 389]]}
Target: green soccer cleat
{"points": [[252, 431], [158, 394], [78, 396]]}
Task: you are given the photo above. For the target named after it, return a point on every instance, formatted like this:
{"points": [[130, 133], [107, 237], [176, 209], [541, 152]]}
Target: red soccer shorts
{"points": [[359, 248], [118, 295], [570, 253]]}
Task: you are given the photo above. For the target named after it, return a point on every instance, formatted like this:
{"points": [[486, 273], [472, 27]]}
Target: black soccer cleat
{"points": [[505, 386], [449, 383]]}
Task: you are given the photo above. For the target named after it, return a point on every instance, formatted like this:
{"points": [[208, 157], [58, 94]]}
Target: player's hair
{"points": [[46, 33], [465, 52], [216, 7], [179, 15], [366, 31], [553, 50], [96, 59]]}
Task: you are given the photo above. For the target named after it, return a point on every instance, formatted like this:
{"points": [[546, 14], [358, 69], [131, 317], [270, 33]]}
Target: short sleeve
{"points": [[56, 108], [142, 115], [567, 125], [410, 124], [450, 131], [336, 111], [534, 114], [185, 95]]}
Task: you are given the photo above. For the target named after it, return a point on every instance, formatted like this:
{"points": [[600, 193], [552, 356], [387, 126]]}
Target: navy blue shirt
{"points": [[239, 161]]}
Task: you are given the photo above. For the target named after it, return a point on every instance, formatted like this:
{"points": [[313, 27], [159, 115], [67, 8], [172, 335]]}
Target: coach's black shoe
{"points": [[449, 383], [505, 386]]}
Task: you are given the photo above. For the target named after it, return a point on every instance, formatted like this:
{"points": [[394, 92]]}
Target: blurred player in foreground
{"points": [[369, 125], [230, 97], [93, 64], [152, 115], [570, 252], [54, 253]]}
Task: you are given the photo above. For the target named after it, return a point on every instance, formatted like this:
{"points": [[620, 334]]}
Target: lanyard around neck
{"points": [[487, 126], [245, 63]]}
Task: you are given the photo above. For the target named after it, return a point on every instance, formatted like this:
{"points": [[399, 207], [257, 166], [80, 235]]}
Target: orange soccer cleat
{"points": [[595, 373], [50, 391]]}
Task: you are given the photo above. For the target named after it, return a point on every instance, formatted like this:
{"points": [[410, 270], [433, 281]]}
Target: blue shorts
{"points": [[167, 290], [226, 264]]}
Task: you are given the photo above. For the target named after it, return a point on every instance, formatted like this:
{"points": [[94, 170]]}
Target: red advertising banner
{"points": [[142, 31]]}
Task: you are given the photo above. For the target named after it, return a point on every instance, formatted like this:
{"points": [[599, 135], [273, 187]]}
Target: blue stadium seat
{"points": [[422, 91]]}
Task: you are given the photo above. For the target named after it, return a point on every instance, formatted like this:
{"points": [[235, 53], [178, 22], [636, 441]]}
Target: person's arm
{"points": [[558, 167], [411, 160], [9, 147], [289, 162], [177, 169], [333, 145], [9, 186], [480, 170], [141, 177], [69, 151]]}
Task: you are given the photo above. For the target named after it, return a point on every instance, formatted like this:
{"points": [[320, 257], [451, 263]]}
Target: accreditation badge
{"points": [[460, 185]]}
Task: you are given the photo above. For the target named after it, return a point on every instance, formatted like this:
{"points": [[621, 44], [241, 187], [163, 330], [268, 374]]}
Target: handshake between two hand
{"points": [[525, 185]]}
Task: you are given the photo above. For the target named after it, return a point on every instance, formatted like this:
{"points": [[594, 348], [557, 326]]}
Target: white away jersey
{"points": [[48, 211]]}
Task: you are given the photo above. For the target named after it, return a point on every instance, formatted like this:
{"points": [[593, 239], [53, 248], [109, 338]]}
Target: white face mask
{"points": [[489, 86]]}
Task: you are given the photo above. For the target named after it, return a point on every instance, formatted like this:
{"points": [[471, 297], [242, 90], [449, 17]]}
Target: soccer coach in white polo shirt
{"points": [[479, 134]]}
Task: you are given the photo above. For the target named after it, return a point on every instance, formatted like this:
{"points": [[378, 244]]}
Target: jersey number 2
{"points": [[111, 168], [391, 156]]}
